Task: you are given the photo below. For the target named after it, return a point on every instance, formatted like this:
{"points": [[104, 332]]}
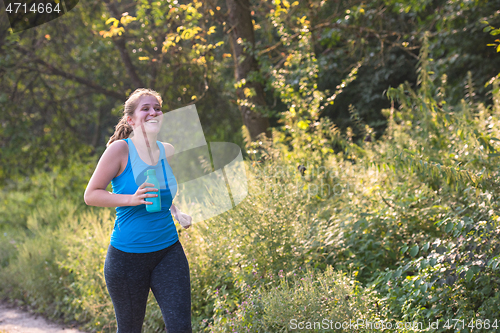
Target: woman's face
{"points": [[147, 115]]}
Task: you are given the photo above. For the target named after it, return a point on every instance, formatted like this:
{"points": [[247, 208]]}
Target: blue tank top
{"points": [[136, 230]]}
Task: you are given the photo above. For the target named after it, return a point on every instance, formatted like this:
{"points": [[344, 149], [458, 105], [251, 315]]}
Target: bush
{"points": [[316, 300], [269, 231], [21, 202]]}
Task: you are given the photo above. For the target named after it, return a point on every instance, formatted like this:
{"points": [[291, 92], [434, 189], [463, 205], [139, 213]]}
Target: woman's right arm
{"points": [[106, 170]]}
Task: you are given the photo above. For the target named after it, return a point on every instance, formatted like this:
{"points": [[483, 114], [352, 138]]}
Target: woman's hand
{"points": [[138, 197], [184, 219]]}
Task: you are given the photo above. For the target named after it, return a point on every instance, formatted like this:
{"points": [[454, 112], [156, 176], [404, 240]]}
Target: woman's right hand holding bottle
{"points": [[138, 198]]}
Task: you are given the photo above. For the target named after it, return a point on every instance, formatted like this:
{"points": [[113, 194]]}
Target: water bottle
{"points": [[151, 178]]}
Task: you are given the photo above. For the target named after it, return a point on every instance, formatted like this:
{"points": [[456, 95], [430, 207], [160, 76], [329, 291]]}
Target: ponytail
{"points": [[122, 131]]}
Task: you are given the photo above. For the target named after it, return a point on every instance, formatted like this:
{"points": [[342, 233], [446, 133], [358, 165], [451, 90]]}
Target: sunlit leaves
{"points": [[170, 40], [113, 21], [188, 33], [211, 30], [303, 124], [493, 31], [126, 19], [114, 30]]}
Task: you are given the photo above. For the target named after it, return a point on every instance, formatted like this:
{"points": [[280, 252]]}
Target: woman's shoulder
{"points": [[119, 146], [118, 150], [119, 153], [169, 148]]}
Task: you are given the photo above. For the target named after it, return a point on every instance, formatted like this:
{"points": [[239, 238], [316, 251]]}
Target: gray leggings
{"points": [[129, 277]]}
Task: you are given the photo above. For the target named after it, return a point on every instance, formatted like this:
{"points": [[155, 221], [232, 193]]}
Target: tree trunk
{"points": [[241, 31]]}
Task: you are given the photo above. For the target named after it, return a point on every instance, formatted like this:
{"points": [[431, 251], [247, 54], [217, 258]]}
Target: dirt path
{"points": [[14, 320]]}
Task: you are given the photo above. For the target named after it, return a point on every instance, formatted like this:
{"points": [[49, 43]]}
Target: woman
{"points": [[144, 251]]}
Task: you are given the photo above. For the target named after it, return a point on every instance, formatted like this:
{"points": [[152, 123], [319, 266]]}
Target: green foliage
{"points": [[451, 274], [58, 270], [318, 298], [9, 245], [56, 191], [64, 83], [273, 229], [388, 35], [492, 31]]}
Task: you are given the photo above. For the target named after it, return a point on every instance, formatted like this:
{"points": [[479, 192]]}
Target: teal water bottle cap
{"points": [[150, 172]]}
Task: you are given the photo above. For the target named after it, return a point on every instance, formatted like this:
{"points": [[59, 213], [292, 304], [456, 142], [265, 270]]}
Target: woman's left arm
{"points": [[184, 219], [169, 151]]}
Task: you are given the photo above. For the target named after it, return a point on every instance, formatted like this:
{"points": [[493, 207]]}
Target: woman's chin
{"points": [[152, 128]]}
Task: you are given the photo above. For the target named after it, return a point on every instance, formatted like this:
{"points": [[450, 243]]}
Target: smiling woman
{"points": [[145, 252], [150, 115], [125, 126]]}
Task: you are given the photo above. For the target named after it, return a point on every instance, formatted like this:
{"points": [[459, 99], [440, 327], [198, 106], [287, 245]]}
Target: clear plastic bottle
{"points": [[151, 178]]}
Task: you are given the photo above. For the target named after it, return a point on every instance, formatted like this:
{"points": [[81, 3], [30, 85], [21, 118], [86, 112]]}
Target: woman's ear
{"points": [[130, 121]]}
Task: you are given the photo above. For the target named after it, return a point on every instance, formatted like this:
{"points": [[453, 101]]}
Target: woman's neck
{"points": [[145, 144]]}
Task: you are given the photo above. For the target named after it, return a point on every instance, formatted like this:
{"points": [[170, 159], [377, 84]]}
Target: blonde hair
{"points": [[123, 129]]}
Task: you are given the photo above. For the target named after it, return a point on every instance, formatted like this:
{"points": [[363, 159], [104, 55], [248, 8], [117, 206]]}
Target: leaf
{"points": [[450, 280], [404, 249], [469, 275], [211, 30], [111, 19], [302, 125], [449, 227], [127, 19], [414, 250], [439, 223]]}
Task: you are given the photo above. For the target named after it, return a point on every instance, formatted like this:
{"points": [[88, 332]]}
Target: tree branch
{"points": [[120, 44], [336, 25], [55, 71]]}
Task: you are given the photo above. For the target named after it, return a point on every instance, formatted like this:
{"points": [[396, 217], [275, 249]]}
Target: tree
{"points": [[250, 92]]}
